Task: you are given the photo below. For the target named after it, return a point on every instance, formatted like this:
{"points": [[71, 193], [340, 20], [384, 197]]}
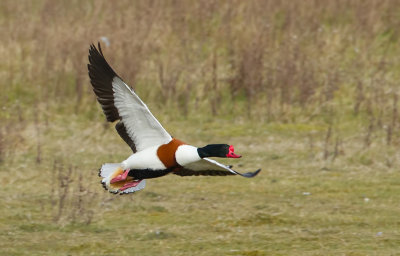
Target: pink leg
{"points": [[120, 177], [130, 185]]}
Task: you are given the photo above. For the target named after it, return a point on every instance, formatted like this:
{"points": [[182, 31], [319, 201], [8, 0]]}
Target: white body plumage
{"points": [[145, 159]]}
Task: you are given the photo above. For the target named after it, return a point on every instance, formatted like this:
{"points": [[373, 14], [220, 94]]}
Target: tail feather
{"points": [[109, 171]]}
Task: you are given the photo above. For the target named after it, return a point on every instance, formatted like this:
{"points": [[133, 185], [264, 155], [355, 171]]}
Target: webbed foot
{"points": [[120, 177], [130, 185]]}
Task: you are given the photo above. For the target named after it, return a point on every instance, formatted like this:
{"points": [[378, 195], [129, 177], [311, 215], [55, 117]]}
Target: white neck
{"points": [[186, 154]]}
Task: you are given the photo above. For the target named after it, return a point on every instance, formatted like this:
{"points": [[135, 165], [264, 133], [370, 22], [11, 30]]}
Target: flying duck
{"points": [[155, 152]]}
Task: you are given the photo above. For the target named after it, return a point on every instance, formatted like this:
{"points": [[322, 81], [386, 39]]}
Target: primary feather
{"points": [[119, 102]]}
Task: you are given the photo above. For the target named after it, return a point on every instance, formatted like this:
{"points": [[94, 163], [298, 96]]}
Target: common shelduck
{"points": [[155, 152]]}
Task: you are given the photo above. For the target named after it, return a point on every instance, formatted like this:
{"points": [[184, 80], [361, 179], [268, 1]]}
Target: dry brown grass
{"points": [[276, 56]]}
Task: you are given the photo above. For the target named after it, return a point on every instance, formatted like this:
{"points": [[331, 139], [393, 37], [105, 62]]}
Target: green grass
{"points": [[298, 205]]}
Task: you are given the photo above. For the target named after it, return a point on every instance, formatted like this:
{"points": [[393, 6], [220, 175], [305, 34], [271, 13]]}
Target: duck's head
{"points": [[217, 150]]}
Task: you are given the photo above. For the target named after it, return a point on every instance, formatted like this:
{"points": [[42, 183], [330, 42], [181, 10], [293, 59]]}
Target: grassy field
{"points": [[300, 204], [305, 90]]}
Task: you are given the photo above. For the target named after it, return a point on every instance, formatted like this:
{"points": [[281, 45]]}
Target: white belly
{"points": [[145, 159]]}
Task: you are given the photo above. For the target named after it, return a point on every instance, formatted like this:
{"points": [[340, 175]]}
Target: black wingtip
{"points": [[101, 52], [101, 76], [250, 174], [93, 49]]}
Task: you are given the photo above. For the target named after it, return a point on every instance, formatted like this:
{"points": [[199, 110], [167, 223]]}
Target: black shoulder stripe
{"points": [[141, 174], [101, 76], [120, 127]]}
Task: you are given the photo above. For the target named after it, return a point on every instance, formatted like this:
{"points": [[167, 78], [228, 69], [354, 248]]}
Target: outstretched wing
{"points": [[138, 127], [209, 167]]}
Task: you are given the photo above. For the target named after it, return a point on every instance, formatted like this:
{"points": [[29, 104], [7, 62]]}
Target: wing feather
{"points": [[142, 127], [101, 76], [138, 127], [120, 127], [209, 167]]}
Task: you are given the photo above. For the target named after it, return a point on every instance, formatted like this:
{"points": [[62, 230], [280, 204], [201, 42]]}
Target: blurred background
{"points": [[305, 90]]}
